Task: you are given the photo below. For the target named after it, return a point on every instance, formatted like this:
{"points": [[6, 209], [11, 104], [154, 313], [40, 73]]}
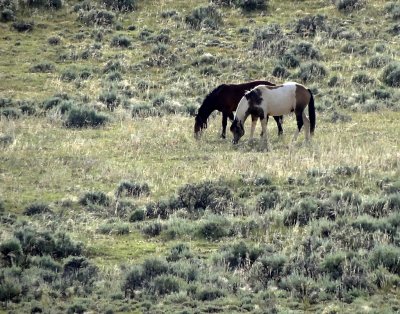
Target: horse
{"points": [[265, 100], [225, 99]]}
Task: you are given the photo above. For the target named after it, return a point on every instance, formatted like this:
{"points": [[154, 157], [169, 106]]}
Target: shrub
{"points": [[121, 5], [302, 212], [10, 290], [11, 251], [36, 209], [213, 230], [110, 99], [391, 74], [7, 15], [144, 110], [362, 79], [165, 284], [132, 189], [69, 75], [22, 26], [84, 117], [393, 9], [280, 71], [207, 16], [10, 113], [308, 25], [267, 200], [349, 5], [306, 50], [378, 61], [269, 267], [54, 40], [333, 265], [252, 5], [79, 268], [197, 197], [178, 252], [97, 17], [290, 60], [152, 229], [209, 294], [137, 215], [133, 281], [154, 267], [312, 71], [47, 262], [95, 198], [266, 35], [121, 41], [375, 207], [387, 256], [51, 103], [240, 254]]}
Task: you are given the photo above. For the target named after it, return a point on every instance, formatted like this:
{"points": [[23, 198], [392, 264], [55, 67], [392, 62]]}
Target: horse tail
{"points": [[311, 113]]}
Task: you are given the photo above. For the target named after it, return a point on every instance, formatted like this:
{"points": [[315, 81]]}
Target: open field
{"points": [[108, 204]]}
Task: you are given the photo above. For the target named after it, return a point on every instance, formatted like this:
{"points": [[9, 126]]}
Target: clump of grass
{"points": [[387, 256], [82, 117], [349, 5], [110, 99], [267, 200], [44, 67], [302, 212], [280, 71], [121, 41], [127, 188], [54, 40], [267, 36], [36, 209], [95, 198], [391, 74], [22, 26], [206, 16], [311, 72], [362, 79], [96, 17]]}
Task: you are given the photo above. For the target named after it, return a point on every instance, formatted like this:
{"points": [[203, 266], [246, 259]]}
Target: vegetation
{"points": [[109, 205]]}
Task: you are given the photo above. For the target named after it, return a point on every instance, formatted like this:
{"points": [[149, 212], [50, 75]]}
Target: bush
{"points": [[121, 41], [7, 15], [133, 281], [306, 50], [391, 75], [362, 79], [84, 117], [333, 265], [198, 197], [240, 255], [9, 113], [22, 26], [96, 17], [290, 60], [137, 215], [280, 71], [393, 9], [110, 99], [95, 198], [165, 284], [10, 290], [154, 267], [36, 209], [152, 229], [54, 40], [302, 212], [252, 5], [144, 110], [349, 5], [213, 230], [269, 267], [267, 200], [178, 252], [266, 35], [209, 294], [387, 256], [11, 251], [79, 268], [69, 75], [121, 5], [308, 25], [201, 17], [131, 189], [311, 72]]}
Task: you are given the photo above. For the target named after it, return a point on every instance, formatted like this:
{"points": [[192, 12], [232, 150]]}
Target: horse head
{"points": [[237, 130], [199, 125]]}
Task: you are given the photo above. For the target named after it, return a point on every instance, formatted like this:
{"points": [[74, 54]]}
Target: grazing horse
{"points": [[225, 98], [265, 100]]}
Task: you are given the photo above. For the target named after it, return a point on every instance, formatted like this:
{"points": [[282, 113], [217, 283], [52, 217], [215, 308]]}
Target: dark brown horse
{"points": [[225, 99]]}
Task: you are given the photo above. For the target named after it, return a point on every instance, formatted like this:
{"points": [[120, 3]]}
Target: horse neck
{"points": [[206, 108], [241, 111]]}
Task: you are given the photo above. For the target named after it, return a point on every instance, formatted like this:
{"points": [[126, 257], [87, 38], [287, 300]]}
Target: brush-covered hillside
{"points": [[108, 204]]}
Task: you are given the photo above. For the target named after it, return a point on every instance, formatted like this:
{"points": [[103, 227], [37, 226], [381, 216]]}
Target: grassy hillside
{"points": [[108, 204]]}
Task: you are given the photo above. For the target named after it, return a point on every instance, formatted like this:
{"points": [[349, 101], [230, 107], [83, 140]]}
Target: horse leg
{"points": [[264, 137], [262, 131], [306, 126], [299, 119], [224, 124], [279, 120], [254, 119]]}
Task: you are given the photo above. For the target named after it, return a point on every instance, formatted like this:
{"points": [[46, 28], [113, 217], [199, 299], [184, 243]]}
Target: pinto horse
{"points": [[265, 100], [225, 98]]}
